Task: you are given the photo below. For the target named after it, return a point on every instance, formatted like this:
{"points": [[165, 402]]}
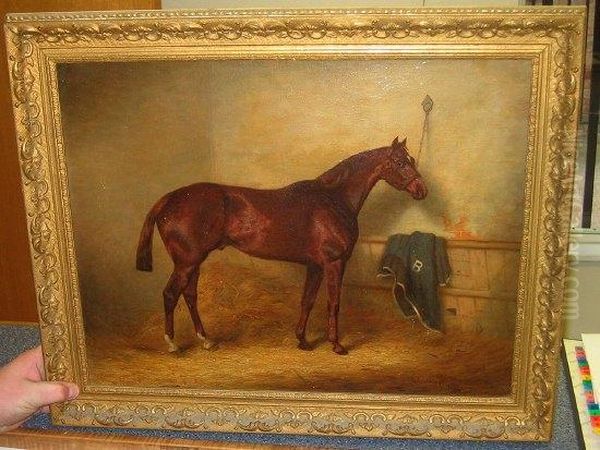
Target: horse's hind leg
{"points": [[178, 281], [171, 294], [190, 293]]}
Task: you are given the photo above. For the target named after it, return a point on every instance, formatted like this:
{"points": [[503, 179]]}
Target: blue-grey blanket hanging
{"points": [[419, 264]]}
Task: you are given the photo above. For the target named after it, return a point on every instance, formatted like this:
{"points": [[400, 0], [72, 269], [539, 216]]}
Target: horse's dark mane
{"points": [[341, 171]]}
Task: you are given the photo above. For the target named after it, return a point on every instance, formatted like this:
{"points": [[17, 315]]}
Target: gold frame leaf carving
{"points": [[551, 38]]}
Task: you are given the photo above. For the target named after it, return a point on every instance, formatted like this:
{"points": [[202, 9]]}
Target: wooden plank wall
{"points": [[17, 299], [481, 297], [481, 294]]}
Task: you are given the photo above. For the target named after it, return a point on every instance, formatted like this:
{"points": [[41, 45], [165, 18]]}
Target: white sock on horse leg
{"points": [[206, 342], [172, 345]]}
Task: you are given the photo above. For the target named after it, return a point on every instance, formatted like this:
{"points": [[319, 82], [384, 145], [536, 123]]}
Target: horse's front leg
{"points": [[334, 273], [314, 276]]}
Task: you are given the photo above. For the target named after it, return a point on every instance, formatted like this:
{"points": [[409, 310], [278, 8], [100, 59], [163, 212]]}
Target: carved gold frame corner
{"points": [[551, 38]]}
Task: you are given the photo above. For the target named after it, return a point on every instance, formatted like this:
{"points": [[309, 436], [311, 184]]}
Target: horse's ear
{"points": [[395, 142], [403, 143]]}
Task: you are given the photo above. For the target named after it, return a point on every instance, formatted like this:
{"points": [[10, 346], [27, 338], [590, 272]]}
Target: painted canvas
{"points": [[340, 225], [349, 222]]}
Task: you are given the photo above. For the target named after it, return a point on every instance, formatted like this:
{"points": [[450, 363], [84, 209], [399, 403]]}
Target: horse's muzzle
{"points": [[417, 189]]}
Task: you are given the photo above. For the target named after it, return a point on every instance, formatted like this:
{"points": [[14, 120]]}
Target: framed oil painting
{"points": [[346, 222]]}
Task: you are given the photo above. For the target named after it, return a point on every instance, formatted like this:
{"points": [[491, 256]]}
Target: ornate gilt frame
{"points": [[551, 38]]}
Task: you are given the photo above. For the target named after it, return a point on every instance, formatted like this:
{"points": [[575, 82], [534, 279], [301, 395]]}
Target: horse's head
{"points": [[399, 171]]}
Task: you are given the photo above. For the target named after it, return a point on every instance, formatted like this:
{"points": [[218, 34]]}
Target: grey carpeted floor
{"points": [[15, 339]]}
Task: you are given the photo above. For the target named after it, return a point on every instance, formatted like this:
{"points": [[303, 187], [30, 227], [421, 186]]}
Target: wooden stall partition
{"points": [[481, 295]]}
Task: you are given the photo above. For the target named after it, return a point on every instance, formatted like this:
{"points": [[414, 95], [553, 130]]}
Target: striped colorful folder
{"points": [[586, 377]]}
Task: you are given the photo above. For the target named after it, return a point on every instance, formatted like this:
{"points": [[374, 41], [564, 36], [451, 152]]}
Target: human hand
{"points": [[24, 391]]}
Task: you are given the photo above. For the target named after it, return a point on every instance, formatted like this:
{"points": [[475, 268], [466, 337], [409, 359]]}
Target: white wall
{"points": [[581, 311]]}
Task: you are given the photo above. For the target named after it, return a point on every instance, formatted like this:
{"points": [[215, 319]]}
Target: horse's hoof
{"points": [[303, 345], [207, 344], [339, 349], [172, 346]]}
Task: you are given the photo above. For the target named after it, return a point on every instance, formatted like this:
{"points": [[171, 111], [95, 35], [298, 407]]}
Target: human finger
{"points": [[43, 393]]}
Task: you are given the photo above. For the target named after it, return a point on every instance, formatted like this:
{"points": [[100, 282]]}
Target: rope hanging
{"points": [[427, 105]]}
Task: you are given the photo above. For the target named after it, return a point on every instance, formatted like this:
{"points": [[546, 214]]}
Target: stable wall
{"points": [[134, 131]]}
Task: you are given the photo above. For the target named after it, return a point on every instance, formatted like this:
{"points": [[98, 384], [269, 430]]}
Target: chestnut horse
{"points": [[311, 222]]}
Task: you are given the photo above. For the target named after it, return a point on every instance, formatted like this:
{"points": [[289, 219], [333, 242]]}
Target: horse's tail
{"points": [[144, 248]]}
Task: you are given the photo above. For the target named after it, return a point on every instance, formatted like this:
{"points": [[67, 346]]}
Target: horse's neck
{"points": [[353, 179], [357, 188]]}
